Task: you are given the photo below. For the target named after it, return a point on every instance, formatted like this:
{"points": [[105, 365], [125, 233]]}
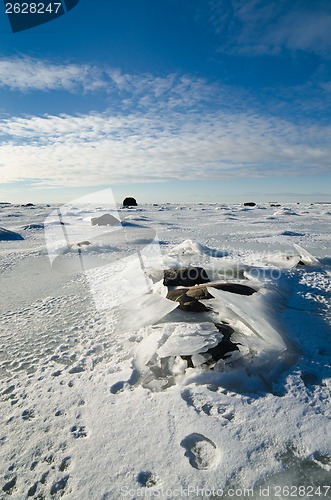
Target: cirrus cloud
{"points": [[101, 148], [256, 27]]}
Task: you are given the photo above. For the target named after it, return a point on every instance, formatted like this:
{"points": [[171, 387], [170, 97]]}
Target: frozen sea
{"points": [[98, 400]]}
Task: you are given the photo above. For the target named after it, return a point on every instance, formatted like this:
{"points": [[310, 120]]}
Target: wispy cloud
{"points": [[254, 27], [123, 92], [26, 74], [96, 149], [308, 30], [128, 93]]}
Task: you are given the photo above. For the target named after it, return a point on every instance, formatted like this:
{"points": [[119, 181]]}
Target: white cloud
{"points": [[26, 74], [254, 27], [303, 30], [94, 149]]}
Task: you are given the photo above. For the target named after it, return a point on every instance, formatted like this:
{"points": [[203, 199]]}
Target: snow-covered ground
{"points": [[98, 398]]}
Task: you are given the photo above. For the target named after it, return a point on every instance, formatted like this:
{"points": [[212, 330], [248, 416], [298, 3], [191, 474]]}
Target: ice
{"points": [[190, 338], [257, 311], [189, 248], [285, 211], [282, 260], [305, 256], [143, 311], [118, 283]]}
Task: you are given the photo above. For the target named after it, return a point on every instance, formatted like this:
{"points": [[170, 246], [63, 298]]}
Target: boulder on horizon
{"points": [[129, 202], [249, 204]]}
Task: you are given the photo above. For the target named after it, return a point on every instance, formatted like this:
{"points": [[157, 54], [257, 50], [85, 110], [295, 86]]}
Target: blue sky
{"points": [[172, 100]]}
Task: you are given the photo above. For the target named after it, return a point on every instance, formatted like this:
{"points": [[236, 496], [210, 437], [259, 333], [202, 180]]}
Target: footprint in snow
{"points": [[78, 431], [59, 486], [208, 407], [201, 451], [147, 479], [9, 486], [65, 464]]}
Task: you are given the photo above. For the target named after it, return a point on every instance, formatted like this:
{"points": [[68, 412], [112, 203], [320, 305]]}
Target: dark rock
{"points": [[187, 297], [249, 204], [275, 204], [187, 276], [28, 205], [234, 288], [190, 304], [200, 292], [105, 220], [176, 294], [129, 202], [186, 303], [83, 243], [196, 292]]}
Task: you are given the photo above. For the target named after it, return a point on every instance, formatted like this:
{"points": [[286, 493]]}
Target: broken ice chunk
{"points": [[256, 312], [305, 257], [190, 338]]}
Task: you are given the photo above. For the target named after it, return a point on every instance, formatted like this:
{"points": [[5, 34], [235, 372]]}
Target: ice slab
{"points": [[143, 311], [190, 338], [306, 257], [256, 312], [188, 247]]}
